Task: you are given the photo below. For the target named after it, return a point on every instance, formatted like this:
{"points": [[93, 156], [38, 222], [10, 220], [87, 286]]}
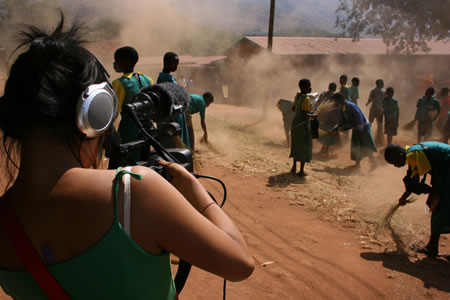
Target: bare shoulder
{"points": [[151, 187], [86, 181]]}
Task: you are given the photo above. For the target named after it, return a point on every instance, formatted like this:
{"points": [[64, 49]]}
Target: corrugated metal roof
{"points": [[185, 60], [310, 45]]}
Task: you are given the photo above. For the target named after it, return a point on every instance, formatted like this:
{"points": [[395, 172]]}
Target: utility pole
{"points": [[272, 15]]}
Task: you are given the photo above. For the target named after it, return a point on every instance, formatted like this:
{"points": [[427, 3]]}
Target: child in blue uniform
{"points": [[171, 62], [391, 113], [125, 59], [428, 108], [344, 89], [362, 144], [427, 158], [354, 90], [198, 104]]}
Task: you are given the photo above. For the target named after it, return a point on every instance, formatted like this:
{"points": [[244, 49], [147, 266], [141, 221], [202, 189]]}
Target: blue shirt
{"points": [[353, 93], [351, 116], [197, 105], [390, 108], [166, 77], [180, 119], [424, 107]]}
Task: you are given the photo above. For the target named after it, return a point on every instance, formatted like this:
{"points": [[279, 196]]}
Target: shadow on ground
{"points": [[285, 179], [346, 171], [424, 269], [274, 145]]}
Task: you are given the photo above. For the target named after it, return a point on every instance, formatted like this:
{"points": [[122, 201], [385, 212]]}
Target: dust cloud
{"points": [[257, 80]]}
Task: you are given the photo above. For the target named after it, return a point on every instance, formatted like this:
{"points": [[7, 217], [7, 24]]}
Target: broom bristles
{"points": [[386, 220], [325, 107]]}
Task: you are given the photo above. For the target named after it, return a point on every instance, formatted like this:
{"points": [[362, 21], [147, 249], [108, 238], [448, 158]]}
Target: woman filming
{"points": [[94, 244]]}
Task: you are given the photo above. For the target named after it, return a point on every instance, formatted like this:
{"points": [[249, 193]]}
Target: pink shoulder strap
{"points": [[27, 254]]}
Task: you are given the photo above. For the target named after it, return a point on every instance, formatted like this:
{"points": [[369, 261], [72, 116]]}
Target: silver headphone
{"points": [[96, 109]]}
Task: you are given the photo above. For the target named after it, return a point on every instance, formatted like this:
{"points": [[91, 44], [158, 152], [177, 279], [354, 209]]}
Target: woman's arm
{"points": [[186, 222]]}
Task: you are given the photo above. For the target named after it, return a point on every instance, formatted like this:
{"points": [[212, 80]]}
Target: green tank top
{"points": [[114, 268]]}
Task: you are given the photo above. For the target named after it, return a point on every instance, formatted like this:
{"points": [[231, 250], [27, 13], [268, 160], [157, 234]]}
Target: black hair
{"points": [[338, 97], [393, 152], [304, 83], [390, 89], [444, 91], [355, 79], [332, 86], [430, 90], [379, 82], [127, 53], [208, 95], [169, 57], [343, 76], [45, 83]]}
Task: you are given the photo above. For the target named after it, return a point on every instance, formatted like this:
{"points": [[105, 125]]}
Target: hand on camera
{"points": [[182, 180]]}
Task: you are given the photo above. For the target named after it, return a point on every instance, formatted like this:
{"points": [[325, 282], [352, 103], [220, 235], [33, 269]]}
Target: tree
{"points": [[404, 25], [46, 13]]}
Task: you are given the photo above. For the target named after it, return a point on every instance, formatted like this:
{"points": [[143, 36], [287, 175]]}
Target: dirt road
{"points": [[314, 238]]}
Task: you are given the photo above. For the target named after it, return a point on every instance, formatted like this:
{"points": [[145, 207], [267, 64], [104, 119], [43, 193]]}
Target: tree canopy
{"points": [[46, 13], [404, 25]]}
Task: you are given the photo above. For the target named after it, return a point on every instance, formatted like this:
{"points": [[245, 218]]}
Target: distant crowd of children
{"points": [[345, 114]]}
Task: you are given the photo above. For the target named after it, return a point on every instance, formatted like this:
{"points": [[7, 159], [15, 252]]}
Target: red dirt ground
{"points": [[312, 238]]}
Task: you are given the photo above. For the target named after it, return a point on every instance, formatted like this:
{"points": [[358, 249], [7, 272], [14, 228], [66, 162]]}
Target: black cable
{"points": [[224, 288], [219, 181], [221, 205]]}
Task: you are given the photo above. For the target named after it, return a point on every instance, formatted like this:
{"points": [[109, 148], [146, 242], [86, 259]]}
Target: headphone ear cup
{"points": [[96, 109]]}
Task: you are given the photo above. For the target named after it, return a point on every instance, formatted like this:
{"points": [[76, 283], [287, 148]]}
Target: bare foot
{"points": [[427, 250]]}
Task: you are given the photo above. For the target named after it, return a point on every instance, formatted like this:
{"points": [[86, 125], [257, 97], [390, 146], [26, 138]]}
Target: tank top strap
{"points": [[120, 172]]}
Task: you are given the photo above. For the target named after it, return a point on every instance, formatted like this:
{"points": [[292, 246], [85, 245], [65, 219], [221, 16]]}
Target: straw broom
{"points": [[386, 220], [409, 125], [323, 108]]}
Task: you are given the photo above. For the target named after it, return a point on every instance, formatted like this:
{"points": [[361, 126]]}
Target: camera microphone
{"points": [[158, 102]]}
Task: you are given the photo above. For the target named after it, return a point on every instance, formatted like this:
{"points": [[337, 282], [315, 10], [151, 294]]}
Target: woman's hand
{"points": [[187, 185]]}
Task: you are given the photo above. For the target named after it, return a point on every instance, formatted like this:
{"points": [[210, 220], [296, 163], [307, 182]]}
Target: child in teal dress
{"points": [[427, 158], [391, 113], [301, 143]]}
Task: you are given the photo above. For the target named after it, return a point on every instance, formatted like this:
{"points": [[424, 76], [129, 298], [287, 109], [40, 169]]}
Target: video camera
{"points": [[156, 104]]}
